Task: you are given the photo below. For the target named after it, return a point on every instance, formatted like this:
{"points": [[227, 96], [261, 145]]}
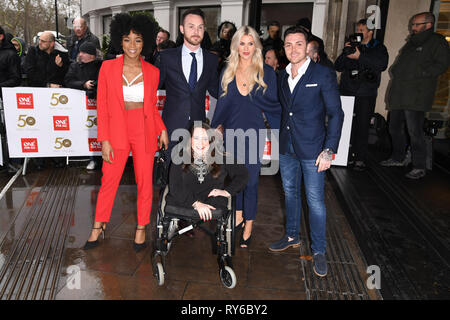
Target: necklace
{"points": [[200, 169], [241, 75]]}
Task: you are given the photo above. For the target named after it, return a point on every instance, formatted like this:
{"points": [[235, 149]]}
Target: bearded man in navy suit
{"points": [[186, 73], [308, 93]]}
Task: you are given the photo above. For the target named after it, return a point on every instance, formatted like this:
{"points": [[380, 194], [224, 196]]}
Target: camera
{"points": [[355, 41], [365, 74]]}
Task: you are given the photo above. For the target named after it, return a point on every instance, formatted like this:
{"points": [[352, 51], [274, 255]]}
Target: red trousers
{"points": [[143, 171]]}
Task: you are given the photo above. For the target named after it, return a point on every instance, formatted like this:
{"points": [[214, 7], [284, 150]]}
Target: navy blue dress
{"points": [[235, 111]]}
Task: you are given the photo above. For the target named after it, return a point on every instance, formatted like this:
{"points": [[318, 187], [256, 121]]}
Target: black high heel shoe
{"points": [[239, 226], [139, 246], [92, 244], [245, 243]]}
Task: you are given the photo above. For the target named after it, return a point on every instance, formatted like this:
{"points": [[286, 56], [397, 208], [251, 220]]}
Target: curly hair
{"points": [[122, 24]]}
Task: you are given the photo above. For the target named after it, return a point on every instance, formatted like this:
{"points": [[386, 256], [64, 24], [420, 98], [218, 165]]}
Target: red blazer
{"points": [[111, 107]]}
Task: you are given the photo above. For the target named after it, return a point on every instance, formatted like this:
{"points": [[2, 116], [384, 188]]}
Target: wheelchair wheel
{"points": [[228, 277], [160, 274]]}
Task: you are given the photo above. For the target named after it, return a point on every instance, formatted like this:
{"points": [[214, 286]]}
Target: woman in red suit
{"points": [[128, 120]]}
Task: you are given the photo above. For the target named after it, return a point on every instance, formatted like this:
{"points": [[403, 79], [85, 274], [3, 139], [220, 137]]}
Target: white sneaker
{"points": [[91, 165]]}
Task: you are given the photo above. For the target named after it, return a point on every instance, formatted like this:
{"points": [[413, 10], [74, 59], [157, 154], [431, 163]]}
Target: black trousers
{"points": [[413, 120], [359, 140]]}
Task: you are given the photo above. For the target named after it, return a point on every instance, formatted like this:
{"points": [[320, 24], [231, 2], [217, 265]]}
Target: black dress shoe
{"points": [[359, 166]]}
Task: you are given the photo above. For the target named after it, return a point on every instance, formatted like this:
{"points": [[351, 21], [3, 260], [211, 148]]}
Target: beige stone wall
{"points": [[399, 13]]}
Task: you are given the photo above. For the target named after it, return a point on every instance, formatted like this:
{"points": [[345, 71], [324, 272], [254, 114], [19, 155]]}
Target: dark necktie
{"points": [[193, 73]]}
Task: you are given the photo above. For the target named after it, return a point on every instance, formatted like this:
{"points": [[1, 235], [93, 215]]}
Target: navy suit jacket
{"points": [[315, 96], [182, 106]]}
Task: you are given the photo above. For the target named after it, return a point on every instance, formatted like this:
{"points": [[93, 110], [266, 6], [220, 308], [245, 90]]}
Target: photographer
{"points": [[83, 75], [361, 63]]}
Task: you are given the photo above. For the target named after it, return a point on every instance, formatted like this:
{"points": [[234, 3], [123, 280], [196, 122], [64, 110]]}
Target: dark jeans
{"points": [[292, 171], [414, 122], [363, 111]]}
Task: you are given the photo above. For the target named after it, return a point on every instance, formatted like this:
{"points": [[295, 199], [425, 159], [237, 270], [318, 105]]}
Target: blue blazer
{"points": [[315, 96], [182, 106]]}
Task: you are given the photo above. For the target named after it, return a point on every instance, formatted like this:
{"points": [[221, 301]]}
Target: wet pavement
{"points": [[47, 216], [402, 225]]}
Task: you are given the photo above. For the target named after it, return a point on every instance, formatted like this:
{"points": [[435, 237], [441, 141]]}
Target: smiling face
{"points": [[193, 29], [295, 48], [246, 47], [132, 45], [200, 141]]}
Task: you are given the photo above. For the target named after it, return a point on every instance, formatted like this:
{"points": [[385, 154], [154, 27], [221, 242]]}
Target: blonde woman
{"points": [[248, 88]]}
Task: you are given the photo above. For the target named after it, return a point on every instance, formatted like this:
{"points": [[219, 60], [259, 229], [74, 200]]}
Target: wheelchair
{"points": [[167, 229]]}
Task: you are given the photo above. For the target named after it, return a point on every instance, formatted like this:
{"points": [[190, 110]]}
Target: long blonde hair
{"points": [[255, 70]]}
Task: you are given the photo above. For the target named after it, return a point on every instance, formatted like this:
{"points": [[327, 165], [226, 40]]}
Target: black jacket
{"points": [[42, 69], [415, 73], [9, 66], [185, 189], [372, 62], [79, 73], [182, 106], [73, 44]]}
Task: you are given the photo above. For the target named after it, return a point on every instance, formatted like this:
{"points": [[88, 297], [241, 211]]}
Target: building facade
{"points": [[332, 20]]}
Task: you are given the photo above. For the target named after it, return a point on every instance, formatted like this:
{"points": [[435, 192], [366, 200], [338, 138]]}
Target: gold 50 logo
{"points": [[25, 120], [60, 143], [58, 98], [91, 121]]}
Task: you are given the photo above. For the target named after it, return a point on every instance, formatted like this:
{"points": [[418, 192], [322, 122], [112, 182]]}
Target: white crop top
{"points": [[133, 93]]}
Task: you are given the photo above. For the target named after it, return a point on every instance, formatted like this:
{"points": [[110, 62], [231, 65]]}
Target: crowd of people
{"points": [[289, 83]]}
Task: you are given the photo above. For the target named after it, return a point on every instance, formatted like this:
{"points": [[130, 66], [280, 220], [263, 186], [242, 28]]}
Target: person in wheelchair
{"points": [[200, 189], [201, 183]]}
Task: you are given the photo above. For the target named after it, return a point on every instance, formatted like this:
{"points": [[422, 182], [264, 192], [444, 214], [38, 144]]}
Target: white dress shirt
{"points": [[186, 61], [301, 71]]}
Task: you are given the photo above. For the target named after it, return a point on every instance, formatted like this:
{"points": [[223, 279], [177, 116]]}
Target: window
{"points": [[286, 14], [441, 98], [106, 23]]}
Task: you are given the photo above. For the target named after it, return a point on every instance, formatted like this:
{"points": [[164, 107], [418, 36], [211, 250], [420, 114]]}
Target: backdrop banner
{"points": [[341, 157], [48, 122]]}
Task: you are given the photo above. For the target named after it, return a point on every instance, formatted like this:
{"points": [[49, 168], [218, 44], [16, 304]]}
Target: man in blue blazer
{"points": [[186, 73], [308, 93]]}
